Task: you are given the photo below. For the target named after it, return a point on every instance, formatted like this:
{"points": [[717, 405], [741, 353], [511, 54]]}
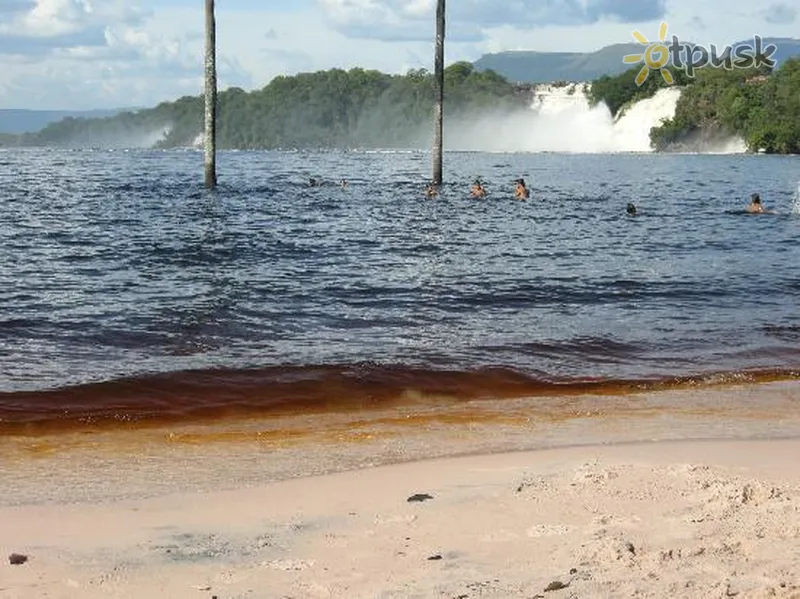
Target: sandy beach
{"points": [[614, 517]]}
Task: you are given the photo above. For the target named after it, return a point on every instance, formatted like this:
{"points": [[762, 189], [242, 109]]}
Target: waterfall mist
{"points": [[561, 119]]}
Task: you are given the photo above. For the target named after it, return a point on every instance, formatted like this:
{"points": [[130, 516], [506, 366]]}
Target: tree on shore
{"points": [[210, 136], [439, 78]]}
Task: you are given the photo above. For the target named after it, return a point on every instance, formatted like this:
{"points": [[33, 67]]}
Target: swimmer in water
{"points": [[343, 184], [313, 183], [755, 207], [431, 191], [521, 191], [631, 209], [478, 190]]}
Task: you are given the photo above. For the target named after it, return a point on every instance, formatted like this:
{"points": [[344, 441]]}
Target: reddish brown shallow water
{"points": [[215, 395], [73, 460]]}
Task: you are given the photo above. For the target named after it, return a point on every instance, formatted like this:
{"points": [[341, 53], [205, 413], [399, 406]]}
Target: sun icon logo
{"points": [[655, 56]]}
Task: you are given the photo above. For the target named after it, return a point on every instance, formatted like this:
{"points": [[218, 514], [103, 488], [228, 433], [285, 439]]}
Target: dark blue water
{"points": [[120, 264]]}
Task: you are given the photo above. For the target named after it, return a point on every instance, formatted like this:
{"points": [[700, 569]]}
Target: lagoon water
{"points": [[128, 291]]}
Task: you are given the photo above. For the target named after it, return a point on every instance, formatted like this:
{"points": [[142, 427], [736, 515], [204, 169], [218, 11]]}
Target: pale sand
{"points": [[670, 519], [718, 518]]}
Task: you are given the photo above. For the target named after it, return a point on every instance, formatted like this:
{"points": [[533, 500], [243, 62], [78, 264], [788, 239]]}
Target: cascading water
{"points": [[562, 120], [631, 132], [155, 137]]}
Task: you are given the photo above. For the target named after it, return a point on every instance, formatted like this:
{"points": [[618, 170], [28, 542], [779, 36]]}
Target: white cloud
{"points": [[50, 18], [710, 22], [110, 53], [780, 12], [470, 20], [81, 54], [57, 20]]}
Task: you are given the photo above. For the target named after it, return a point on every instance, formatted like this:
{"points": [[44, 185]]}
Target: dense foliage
{"points": [[756, 105], [335, 108], [761, 108], [621, 91], [360, 108]]}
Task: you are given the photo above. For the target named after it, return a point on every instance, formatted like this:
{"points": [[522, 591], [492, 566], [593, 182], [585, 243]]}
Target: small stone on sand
{"points": [[419, 497], [17, 559]]}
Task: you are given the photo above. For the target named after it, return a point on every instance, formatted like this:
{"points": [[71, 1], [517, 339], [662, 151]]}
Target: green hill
{"points": [[326, 109], [15, 121], [757, 105], [547, 67], [762, 109], [369, 109]]}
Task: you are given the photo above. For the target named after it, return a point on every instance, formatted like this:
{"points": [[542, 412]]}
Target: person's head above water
{"points": [[631, 209], [755, 205], [521, 192]]}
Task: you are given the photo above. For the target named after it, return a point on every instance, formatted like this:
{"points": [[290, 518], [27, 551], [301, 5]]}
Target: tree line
{"points": [[367, 109], [760, 106], [325, 109]]}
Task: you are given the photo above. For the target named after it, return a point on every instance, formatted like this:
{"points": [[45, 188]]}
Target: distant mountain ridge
{"points": [[20, 120], [546, 67], [527, 66]]}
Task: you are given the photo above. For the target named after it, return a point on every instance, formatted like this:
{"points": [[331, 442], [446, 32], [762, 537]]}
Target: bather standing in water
{"points": [[755, 207], [521, 191], [477, 190]]}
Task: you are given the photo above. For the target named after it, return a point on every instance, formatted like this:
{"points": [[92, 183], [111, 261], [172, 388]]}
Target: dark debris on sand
{"points": [[434, 558], [418, 497], [556, 585]]}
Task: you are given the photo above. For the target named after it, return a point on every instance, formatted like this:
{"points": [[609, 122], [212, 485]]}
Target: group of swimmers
{"points": [[521, 192], [478, 190], [755, 207]]}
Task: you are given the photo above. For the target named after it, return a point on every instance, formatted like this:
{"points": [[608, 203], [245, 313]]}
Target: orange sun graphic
{"points": [[655, 49]]}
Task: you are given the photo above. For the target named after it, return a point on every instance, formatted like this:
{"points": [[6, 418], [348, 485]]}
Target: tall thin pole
{"points": [[439, 76], [210, 136]]}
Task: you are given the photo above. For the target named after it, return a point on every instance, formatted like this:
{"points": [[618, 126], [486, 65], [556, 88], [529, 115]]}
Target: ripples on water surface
{"points": [[118, 265]]}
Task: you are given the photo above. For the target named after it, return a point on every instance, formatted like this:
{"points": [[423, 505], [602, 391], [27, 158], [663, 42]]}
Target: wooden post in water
{"points": [[439, 77], [210, 137]]}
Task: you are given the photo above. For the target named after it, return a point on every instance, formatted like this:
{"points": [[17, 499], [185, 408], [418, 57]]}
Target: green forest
{"points": [[327, 109], [761, 107], [368, 109]]}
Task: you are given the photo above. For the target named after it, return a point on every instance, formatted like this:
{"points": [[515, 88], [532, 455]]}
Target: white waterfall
{"points": [[561, 120]]}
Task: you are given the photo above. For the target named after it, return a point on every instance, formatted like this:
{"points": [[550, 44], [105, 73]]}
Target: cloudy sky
{"points": [[81, 54]]}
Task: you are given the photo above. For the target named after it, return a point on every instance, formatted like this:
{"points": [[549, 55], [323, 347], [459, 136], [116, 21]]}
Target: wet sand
{"points": [[686, 494]]}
